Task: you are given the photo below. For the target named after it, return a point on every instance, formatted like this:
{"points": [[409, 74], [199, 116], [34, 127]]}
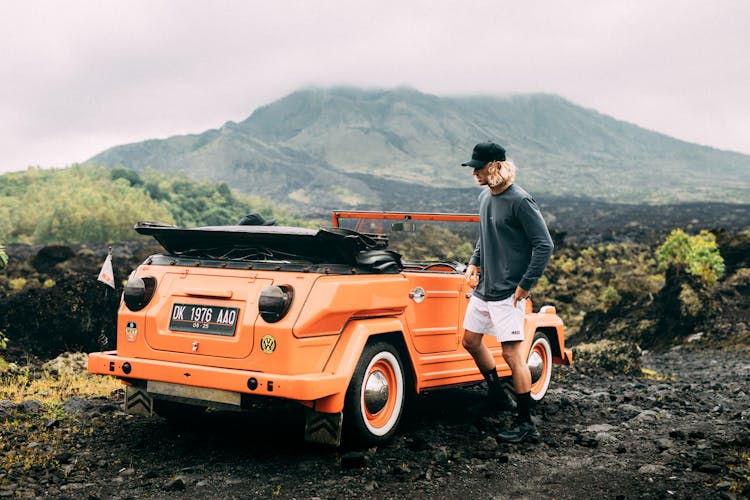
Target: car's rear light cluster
{"points": [[138, 292], [274, 302]]}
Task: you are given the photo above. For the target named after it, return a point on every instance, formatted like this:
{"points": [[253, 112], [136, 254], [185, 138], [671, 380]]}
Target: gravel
{"points": [[682, 433]]}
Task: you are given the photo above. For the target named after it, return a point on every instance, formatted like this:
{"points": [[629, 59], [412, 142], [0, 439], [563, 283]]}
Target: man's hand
{"points": [[519, 295], [472, 277]]}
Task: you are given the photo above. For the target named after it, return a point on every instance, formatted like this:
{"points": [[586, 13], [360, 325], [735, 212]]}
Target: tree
{"points": [[131, 176], [698, 255], [3, 257]]}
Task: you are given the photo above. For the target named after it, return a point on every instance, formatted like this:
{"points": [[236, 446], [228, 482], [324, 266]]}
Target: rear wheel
{"points": [[375, 399], [540, 365]]}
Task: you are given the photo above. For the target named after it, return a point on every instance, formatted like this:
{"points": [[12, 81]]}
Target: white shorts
{"points": [[497, 317]]}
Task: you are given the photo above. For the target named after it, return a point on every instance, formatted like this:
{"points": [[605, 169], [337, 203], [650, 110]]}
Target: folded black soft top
{"points": [[334, 245]]}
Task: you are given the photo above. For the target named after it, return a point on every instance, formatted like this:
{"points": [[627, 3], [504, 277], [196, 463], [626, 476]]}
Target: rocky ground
{"points": [[681, 431]]}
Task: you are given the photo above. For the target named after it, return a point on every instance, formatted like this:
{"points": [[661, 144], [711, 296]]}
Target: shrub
{"points": [[17, 284], [698, 255], [612, 356], [690, 303], [610, 296], [568, 265]]}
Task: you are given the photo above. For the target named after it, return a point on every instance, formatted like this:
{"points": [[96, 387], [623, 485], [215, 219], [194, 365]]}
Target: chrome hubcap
{"points": [[376, 392], [536, 366]]}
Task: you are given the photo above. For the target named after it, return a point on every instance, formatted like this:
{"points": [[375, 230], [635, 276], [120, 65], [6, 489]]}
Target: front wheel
{"points": [[375, 399], [540, 365]]}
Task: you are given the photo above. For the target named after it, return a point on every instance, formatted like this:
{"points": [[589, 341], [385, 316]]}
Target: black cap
{"points": [[483, 153], [255, 219]]}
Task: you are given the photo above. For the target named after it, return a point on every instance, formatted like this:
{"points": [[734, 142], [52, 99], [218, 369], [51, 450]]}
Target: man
{"points": [[513, 250]]}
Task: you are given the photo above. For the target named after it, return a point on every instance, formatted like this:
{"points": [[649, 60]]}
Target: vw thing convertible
{"points": [[351, 321]]}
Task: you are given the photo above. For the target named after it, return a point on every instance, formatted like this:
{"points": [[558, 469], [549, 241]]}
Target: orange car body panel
{"points": [[317, 344]]}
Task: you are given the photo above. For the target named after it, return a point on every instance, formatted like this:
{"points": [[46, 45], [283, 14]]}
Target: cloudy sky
{"points": [[77, 77]]}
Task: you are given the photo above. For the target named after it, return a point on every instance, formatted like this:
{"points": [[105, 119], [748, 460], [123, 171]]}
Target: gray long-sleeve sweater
{"points": [[514, 243]]}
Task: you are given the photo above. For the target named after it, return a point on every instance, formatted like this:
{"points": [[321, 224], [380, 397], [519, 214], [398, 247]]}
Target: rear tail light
{"points": [[138, 292], [274, 302]]}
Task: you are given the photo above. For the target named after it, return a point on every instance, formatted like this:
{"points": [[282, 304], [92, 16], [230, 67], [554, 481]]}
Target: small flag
{"points": [[107, 275]]}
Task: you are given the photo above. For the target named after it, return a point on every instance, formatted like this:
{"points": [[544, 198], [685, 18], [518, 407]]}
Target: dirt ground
{"points": [[683, 431], [680, 433]]}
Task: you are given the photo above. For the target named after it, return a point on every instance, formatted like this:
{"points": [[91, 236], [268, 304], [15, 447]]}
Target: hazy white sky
{"points": [[77, 77]]}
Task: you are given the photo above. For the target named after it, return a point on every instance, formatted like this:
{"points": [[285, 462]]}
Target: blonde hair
{"points": [[501, 172]]}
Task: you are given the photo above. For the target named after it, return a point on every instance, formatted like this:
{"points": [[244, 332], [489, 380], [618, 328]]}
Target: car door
{"points": [[436, 310]]}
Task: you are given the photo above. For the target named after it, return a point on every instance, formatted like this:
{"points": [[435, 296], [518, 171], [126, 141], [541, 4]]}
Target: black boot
{"points": [[524, 428], [523, 431], [498, 398]]}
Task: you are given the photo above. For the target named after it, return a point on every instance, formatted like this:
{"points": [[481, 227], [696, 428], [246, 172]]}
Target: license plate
{"points": [[196, 318]]}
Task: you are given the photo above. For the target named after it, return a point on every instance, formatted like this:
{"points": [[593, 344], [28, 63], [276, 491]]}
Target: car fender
{"points": [[552, 325], [345, 356]]}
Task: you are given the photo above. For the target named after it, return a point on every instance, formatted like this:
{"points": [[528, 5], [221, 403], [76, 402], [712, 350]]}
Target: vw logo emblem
{"points": [[268, 344]]}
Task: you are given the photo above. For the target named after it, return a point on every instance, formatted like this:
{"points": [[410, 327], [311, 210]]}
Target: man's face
{"points": [[481, 174]]}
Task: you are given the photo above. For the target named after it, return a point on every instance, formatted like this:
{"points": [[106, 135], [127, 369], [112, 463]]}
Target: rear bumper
{"points": [[304, 387]]}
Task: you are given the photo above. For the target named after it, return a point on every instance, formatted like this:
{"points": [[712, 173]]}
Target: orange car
{"points": [[349, 321]]}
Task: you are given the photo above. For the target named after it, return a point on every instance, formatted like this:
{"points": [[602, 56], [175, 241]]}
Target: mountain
{"points": [[320, 149]]}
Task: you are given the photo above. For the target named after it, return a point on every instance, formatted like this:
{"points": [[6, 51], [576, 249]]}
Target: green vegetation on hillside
{"points": [[581, 279], [71, 205], [96, 204], [201, 203]]}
